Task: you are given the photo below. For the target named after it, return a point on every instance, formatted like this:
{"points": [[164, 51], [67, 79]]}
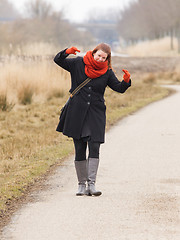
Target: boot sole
{"points": [[80, 194], [95, 194]]}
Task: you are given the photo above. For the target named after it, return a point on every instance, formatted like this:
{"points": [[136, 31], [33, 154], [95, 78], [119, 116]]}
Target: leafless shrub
{"points": [[25, 94], [4, 104], [150, 79], [57, 93]]}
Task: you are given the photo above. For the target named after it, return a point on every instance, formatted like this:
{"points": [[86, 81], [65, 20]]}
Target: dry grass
{"points": [[172, 77], [29, 143], [29, 146], [160, 47], [31, 80], [4, 104], [36, 49], [26, 132], [29, 49]]}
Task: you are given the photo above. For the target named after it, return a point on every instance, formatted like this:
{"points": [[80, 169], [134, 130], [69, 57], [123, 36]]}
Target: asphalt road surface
{"points": [[139, 176]]}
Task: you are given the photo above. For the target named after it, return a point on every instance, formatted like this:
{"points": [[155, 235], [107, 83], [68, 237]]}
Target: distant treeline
{"points": [[42, 24], [142, 20], [150, 19]]}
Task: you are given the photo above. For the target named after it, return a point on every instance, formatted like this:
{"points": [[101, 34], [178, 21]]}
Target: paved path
{"points": [[139, 176]]}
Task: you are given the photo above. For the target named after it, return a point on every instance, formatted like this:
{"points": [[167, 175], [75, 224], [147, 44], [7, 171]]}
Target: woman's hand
{"points": [[72, 50], [126, 76]]}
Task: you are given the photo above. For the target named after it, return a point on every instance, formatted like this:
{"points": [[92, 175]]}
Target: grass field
{"points": [[32, 94], [157, 47]]}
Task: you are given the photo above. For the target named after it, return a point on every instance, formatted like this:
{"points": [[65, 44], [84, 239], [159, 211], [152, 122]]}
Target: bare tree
{"points": [[175, 19], [44, 25], [151, 19], [130, 25], [38, 9], [7, 11], [103, 25]]}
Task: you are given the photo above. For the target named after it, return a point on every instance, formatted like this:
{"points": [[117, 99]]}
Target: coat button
{"points": [[88, 103], [89, 88], [89, 95]]}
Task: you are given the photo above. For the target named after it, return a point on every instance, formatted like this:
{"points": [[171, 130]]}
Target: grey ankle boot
{"points": [[93, 164], [81, 171]]}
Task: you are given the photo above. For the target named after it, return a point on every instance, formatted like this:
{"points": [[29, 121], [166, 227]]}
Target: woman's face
{"points": [[100, 56]]}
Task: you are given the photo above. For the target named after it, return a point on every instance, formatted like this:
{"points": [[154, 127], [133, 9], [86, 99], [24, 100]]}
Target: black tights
{"points": [[81, 146]]}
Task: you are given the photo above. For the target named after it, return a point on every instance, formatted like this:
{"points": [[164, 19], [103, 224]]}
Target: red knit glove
{"points": [[126, 76], [72, 50]]}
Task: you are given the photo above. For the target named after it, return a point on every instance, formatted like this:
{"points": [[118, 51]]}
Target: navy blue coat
{"points": [[87, 107]]}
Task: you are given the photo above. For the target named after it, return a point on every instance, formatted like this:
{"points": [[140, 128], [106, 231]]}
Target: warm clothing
{"points": [[81, 146], [94, 69], [72, 50], [86, 112], [126, 76]]}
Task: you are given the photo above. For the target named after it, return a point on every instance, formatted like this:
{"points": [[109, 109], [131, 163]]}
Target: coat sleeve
{"points": [[64, 62], [116, 85]]}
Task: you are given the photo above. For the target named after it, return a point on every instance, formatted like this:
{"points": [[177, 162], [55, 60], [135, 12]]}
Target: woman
{"points": [[86, 113]]}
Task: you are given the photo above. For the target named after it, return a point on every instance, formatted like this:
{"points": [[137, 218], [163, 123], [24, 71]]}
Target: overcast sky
{"points": [[78, 10]]}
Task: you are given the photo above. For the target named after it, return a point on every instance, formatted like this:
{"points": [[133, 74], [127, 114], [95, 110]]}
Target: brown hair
{"points": [[105, 48]]}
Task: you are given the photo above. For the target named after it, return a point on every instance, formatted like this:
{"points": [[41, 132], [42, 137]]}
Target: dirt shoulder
{"points": [[146, 64]]}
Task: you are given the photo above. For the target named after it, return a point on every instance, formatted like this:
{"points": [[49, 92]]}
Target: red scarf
{"points": [[93, 68]]}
